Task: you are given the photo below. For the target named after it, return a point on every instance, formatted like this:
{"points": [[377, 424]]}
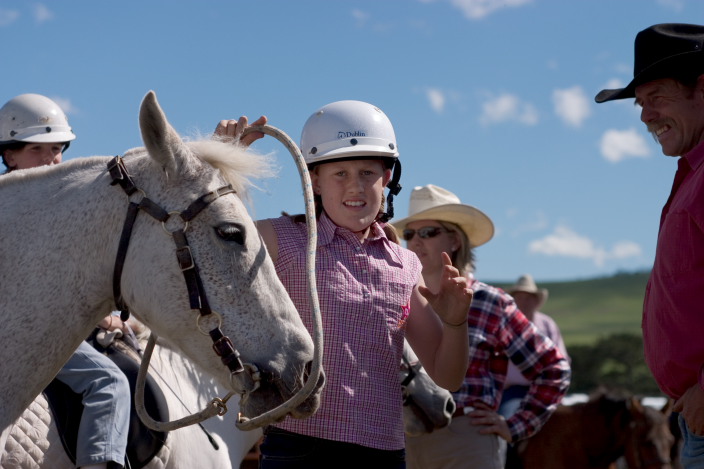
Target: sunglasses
{"points": [[424, 233]]}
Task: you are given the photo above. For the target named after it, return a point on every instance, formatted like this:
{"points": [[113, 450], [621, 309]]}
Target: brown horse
{"points": [[596, 433]]}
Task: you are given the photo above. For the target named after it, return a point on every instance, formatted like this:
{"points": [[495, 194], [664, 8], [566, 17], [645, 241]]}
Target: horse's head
{"points": [[650, 441], [426, 406], [237, 277]]}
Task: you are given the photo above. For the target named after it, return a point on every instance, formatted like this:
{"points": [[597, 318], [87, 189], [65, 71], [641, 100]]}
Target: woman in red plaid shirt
{"points": [[498, 332]]}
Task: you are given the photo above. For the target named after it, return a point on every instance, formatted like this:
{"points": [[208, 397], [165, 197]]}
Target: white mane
{"points": [[237, 165]]}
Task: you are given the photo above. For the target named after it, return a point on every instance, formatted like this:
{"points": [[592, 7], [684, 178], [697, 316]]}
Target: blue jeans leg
{"points": [[102, 435], [692, 456]]}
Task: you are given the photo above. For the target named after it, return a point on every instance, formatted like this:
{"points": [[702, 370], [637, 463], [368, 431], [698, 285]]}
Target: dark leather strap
{"points": [[196, 291]]}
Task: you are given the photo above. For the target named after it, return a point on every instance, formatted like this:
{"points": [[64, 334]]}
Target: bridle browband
{"points": [[222, 345]]}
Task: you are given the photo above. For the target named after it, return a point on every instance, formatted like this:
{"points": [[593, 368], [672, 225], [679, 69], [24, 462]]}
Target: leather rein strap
{"points": [[222, 345]]}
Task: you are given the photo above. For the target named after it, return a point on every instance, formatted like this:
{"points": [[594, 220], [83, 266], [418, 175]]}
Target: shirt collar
{"points": [[695, 157], [327, 229]]}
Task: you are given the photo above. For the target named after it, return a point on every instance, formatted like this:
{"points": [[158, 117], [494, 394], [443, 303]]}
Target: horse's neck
{"points": [[64, 227], [59, 229]]}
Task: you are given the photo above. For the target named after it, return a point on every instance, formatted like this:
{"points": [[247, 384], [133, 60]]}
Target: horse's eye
{"points": [[231, 232]]}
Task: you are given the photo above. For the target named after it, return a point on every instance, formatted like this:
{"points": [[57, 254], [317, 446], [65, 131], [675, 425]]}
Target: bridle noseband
{"points": [[222, 345]]}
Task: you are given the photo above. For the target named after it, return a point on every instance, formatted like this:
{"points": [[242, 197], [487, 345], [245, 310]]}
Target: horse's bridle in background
{"points": [[412, 371]]}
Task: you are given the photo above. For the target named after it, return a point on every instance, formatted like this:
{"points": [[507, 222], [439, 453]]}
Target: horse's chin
{"points": [[269, 396]]}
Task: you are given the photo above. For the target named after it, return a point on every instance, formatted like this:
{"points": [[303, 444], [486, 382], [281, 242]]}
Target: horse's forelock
{"points": [[237, 165]]}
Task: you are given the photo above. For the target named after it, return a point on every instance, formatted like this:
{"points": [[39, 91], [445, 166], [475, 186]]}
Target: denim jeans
{"points": [[692, 456], [282, 449], [102, 435]]}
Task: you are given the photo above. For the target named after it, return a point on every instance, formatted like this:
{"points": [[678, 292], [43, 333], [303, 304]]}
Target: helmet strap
{"points": [[394, 188]]}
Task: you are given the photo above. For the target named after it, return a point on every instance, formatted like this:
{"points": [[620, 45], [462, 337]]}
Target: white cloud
{"points": [[676, 5], [436, 98], [42, 13], [65, 104], [360, 16], [477, 9], [614, 84], [7, 17], [564, 242], [508, 107], [617, 145], [571, 105]]}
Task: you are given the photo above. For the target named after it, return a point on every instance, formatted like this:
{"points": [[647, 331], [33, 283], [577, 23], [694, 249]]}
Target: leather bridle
{"points": [[222, 345]]}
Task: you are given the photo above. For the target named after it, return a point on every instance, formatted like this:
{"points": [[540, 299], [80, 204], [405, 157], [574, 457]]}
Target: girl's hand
{"points": [[233, 129]]}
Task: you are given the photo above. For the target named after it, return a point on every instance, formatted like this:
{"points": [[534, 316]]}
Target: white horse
{"points": [[34, 441], [60, 229], [426, 406]]}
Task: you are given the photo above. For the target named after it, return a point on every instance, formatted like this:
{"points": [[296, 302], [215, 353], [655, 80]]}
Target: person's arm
{"points": [[268, 234], [542, 363], [437, 327]]}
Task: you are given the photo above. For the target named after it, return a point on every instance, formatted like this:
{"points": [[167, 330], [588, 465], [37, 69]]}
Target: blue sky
{"points": [[491, 99]]}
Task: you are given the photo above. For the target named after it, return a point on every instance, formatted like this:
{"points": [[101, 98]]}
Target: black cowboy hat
{"points": [[663, 51]]}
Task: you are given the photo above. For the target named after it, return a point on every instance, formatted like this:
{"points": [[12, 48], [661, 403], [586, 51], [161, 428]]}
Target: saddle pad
{"points": [[34, 441]]}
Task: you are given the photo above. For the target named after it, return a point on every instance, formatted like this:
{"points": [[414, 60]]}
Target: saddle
{"points": [[142, 442]]}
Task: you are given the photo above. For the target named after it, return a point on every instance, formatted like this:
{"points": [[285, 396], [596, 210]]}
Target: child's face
{"points": [[34, 154], [351, 191]]}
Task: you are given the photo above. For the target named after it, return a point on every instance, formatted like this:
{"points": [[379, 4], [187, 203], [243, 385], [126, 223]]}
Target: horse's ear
{"points": [[161, 140], [635, 405]]}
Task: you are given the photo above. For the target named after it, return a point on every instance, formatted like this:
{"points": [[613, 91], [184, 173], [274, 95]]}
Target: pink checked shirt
{"points": [[364, 290]]}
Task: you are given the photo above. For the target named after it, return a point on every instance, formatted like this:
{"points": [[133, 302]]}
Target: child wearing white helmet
{"points": [[34, 132], [371, 295]]}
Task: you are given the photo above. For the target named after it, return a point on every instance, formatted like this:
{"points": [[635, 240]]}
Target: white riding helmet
{"points": [[353, 130], [347, 129], [33, 118]]}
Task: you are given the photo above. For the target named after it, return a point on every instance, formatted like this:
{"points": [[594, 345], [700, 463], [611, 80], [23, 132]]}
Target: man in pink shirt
{"points": [[668, 85]]}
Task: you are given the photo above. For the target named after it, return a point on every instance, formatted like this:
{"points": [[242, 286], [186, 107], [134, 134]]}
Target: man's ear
{"points": [[699, 86]]}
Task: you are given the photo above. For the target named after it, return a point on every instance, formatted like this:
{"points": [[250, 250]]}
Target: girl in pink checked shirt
{"points": [[371, 294]]}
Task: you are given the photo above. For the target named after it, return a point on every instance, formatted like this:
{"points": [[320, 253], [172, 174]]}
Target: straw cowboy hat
{"points": [[435, 203], [669, 50], [526, 284]]}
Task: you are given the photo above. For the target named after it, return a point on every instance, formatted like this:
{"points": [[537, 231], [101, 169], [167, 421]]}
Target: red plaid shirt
{"points": [[499, 332], [364, 290]]}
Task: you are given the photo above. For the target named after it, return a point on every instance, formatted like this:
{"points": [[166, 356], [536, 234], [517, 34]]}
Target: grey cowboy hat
{"points": [[526, 284], [435, 203], [669, 50]]}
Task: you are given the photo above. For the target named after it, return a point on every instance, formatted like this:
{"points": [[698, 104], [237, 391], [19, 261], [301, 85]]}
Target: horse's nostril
{"points": [[450, 406]]}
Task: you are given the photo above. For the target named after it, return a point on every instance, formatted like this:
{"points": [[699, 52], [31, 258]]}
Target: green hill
{"points": [[588, 310]]}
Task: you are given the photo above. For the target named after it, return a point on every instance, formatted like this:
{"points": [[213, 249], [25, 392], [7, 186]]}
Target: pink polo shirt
{"points": [[364, 290], [673, 311]]}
